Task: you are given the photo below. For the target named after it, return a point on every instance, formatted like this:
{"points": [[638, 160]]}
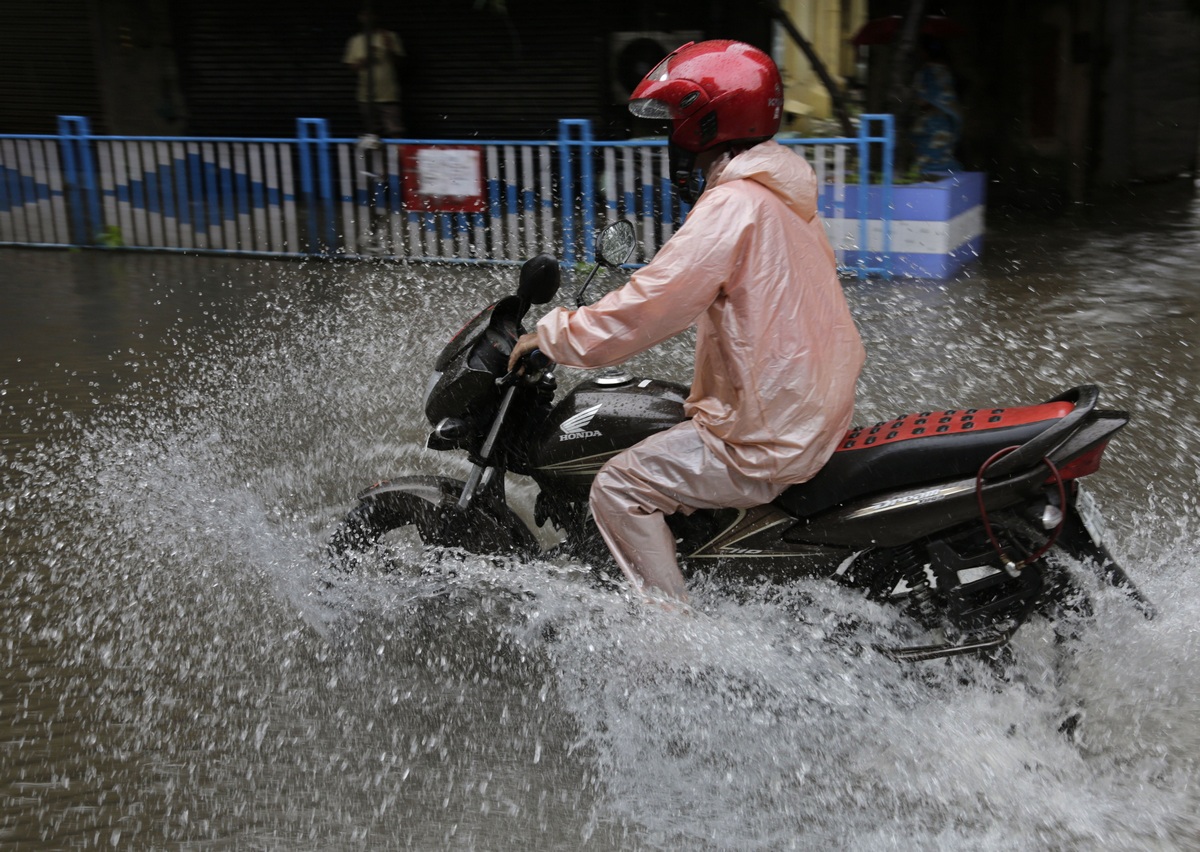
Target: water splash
{"points": [[185, 671]]}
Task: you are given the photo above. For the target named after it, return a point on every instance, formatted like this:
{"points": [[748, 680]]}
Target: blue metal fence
{"points": [[318, 195]]}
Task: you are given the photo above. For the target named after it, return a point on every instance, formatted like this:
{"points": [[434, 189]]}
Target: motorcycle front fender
{"points": [[430, 503]]}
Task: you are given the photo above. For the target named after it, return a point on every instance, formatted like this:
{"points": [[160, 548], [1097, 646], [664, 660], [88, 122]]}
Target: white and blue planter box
{"points": [[936, 227]]}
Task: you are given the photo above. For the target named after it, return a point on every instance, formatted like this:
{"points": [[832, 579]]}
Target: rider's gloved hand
{"points": [[526, 343]]}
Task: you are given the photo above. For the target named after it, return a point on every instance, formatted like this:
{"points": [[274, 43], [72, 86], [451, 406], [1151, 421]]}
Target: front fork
{"points": [[483, 469], [538, 371]]}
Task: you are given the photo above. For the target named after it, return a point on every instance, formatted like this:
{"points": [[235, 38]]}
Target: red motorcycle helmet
{"points": [[713, 92]]}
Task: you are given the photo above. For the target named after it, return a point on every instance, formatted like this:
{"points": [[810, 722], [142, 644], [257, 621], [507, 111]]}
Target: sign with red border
{"points": [[443, 178]]}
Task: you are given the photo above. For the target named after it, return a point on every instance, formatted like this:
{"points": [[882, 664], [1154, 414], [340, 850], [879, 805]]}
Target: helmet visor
{"points": [[651, 108], [660, 98]]}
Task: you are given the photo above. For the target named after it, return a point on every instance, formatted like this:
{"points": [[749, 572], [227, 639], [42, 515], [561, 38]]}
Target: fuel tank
{"points": [[595, 421]]}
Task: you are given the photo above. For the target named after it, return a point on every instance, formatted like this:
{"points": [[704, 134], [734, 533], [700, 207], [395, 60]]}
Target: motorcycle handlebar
{"points": [[537, 360], [533, 364]]}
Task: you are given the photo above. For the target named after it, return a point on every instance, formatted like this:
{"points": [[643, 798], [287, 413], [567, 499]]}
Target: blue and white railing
{"points": [[335, 197]]}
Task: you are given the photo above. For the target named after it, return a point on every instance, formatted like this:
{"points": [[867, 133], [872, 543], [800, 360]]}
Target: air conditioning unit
{"points": [[632, 55]]}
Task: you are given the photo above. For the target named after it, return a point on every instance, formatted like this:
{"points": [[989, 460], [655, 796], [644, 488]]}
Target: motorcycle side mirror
{"points": [[539, 281], [615, 245]]}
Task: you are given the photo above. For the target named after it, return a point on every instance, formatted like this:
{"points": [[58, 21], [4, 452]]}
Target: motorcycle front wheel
{"points": [[423, 511]]}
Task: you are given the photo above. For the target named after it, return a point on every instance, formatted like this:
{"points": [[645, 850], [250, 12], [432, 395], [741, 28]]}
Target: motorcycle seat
{"points": [[918, 448]]}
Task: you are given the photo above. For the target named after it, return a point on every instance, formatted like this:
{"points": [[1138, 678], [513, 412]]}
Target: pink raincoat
{"points": [[777, 356]]}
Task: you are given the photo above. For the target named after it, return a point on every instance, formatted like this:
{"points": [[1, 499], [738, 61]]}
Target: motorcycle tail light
{"points": [[1082, 465]]}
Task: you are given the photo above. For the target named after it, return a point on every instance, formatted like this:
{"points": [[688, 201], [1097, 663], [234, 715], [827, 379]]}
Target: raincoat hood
{"points": [[775, 167]]}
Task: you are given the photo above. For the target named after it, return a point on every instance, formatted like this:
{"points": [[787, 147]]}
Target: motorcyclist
{"points": [[777, 353]]}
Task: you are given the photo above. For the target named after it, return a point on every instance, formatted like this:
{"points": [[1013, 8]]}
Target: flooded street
{"points": [[179, 436]]}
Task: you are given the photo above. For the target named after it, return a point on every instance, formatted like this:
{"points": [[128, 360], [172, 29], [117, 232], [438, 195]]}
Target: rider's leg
{"points": [[669, 472]]}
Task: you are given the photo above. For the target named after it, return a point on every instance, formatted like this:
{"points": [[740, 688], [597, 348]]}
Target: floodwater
{"points": [[179, 435]]}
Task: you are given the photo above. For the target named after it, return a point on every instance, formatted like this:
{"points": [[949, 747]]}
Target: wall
{"points": [[469, 70], [828, 25], [1151, 118], [47, 67], [137, 67], [1063, 99]]}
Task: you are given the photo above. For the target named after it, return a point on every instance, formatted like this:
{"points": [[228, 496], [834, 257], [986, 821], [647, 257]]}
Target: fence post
{"points": [[864, 195], [889, 157], [886, 209], [576, 133], [316, 181], [81, 177]]}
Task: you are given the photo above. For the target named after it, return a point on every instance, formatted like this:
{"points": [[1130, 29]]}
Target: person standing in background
{"points": [[938, 121], [378, 83]]}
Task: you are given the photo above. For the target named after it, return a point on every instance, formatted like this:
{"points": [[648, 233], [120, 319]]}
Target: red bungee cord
{"points": [[1014, 568]]}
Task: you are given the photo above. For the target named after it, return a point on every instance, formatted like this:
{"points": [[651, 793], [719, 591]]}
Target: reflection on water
{"points": [[180, 434]]}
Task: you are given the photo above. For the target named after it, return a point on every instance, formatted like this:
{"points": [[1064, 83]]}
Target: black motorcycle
{"points": [[961, 516]]}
